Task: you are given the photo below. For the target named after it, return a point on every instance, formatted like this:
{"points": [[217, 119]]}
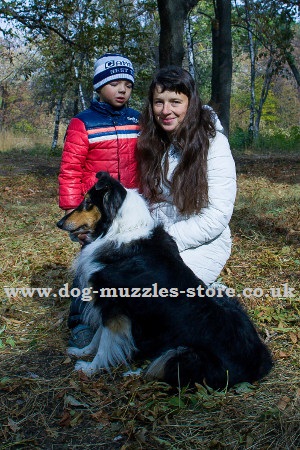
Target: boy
{"points": [[101, 138]]}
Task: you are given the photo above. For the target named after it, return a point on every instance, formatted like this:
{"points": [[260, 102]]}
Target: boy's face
{"points": [[116, 93]]}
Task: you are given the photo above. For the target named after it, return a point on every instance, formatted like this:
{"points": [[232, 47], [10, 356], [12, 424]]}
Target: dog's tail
{"points": [[183, 366]]}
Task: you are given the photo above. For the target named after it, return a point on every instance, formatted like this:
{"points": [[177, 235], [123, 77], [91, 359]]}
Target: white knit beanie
{"points": [[112, 66]]}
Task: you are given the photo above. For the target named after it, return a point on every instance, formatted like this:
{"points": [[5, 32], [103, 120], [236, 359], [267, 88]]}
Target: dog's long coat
{"points": [[209, 340]]}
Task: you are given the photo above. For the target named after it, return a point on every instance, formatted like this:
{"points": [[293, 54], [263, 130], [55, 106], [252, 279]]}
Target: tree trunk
{"points": [[251, 128], [222, 62], [190, 48], [215, 84], [122, 26], [291, 63], [57, 123], [80, 91], [264, 94], [172, 14], [3, 105]]}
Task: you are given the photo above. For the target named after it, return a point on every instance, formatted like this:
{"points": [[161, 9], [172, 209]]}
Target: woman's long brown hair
{"points": [[188, 186]]}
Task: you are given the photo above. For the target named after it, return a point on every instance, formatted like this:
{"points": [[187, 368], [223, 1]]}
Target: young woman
{"points": [[187, 172]]}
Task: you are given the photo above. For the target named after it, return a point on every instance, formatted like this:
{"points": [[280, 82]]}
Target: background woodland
{"points": [[244, 55]]}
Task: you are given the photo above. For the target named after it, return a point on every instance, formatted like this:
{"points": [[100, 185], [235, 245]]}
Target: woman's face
{"points": [[169, 108]]}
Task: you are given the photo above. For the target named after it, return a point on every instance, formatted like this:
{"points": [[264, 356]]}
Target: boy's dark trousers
{"points": [[77, 308]]}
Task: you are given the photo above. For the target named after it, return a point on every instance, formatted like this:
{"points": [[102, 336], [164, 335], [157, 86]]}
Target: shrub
{"points": [[271, 140]]}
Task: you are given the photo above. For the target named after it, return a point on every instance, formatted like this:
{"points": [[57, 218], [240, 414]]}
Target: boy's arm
{"points": [[74, 155]]}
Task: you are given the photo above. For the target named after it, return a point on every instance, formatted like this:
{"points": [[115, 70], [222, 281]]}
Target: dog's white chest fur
{"points": [[133, 221]]}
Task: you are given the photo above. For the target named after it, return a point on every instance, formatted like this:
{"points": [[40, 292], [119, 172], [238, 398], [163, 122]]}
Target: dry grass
{"points": [[9, 140], [45, 405]]}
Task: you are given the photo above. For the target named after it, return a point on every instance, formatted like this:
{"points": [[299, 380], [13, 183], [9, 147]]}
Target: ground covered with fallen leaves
{"points": [[44, 404]]}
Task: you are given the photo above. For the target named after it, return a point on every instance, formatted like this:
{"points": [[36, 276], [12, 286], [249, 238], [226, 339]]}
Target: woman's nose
{"points": [[166, 109]]}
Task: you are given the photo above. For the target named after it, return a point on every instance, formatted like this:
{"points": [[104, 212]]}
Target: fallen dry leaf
{"points": [[101, 417], [66, 419], [12, 425], [67, 360], [282, 354], [293, 338], [283, 403], [72, 401]]}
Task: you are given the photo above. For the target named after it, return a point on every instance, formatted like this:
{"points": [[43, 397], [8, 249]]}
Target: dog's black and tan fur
{"points": [[208, 340]]}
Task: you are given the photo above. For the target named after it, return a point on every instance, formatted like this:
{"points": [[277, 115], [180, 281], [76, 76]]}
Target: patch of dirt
{"points": [[282, 169], [20, 162]]}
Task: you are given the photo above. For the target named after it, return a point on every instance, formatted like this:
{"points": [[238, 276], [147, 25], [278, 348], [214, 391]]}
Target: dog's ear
{"points": [[104, 181], [113, 200], [113, 193]]}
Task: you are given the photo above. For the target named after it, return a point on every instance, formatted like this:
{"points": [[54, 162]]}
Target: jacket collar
{"points": [[107, 109]]}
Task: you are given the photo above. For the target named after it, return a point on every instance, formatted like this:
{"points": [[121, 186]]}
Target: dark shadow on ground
{"points": [[278, 169]]}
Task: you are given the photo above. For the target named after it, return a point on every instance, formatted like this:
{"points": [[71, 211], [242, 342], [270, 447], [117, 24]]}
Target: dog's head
{"points": [[98, 209]]}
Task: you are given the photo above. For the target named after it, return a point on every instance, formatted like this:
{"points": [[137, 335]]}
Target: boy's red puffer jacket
{"points": [[99, 138]]}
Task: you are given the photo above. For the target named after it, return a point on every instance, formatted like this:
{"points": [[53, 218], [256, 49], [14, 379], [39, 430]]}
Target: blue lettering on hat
{"points": [[123, 63], [120, 70], [109, 64]]}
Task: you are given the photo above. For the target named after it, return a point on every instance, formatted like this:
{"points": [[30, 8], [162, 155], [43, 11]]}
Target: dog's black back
{"points": [[217, 341]]}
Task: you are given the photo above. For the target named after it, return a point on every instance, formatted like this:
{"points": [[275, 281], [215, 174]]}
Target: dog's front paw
{"points": [[85, 367], [75, 351]]}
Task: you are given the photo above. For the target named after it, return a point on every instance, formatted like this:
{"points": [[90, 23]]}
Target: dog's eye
{"points": [[88, 204]]}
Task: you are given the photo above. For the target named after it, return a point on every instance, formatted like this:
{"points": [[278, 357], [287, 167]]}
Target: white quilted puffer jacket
{"points": [[204, 239]]}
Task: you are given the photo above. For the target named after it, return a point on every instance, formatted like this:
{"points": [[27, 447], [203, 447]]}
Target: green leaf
{"points": [[4, 381], [243, 388], [176, 401], [162, 441], [10, 342]]}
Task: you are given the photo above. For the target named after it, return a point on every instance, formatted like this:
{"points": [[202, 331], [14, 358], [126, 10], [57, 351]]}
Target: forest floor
{"points": [[44, 404]]}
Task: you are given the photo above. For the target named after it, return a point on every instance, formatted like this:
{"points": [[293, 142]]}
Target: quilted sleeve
{"points": [[213, 219], [74, 154]]}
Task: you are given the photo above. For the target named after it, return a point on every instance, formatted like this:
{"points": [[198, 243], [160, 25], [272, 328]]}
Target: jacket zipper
{"points": [[118, 150]]}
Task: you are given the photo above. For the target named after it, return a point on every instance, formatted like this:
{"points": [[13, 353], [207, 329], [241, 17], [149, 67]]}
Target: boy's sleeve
{"points": [[74, 154]]}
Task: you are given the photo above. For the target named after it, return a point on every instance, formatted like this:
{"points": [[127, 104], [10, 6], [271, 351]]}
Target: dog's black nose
{"points": [[60, 223]]}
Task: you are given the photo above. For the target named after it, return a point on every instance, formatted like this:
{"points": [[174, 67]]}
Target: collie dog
{"points": [[147, 304]]}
